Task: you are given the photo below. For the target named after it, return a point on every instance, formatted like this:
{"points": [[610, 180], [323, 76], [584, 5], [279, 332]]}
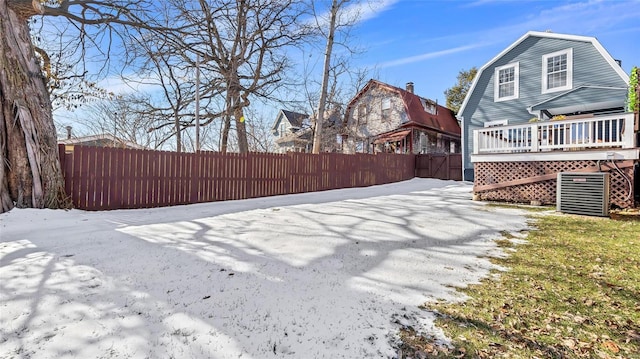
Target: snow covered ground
{"points": [[318, 275]]}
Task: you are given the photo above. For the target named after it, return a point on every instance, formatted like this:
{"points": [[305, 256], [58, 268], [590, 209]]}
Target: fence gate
{"points": [[441, 166]]}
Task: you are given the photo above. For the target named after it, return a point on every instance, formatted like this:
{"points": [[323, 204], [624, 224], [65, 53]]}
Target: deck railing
{"points": [[612, 131]]}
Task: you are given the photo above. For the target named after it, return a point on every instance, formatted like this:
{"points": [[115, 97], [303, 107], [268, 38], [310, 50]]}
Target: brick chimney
{"points": [[410, 87]]}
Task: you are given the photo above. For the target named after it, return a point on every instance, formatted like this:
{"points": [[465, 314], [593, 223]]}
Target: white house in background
{"points": [[292, 132], [511, 140]]}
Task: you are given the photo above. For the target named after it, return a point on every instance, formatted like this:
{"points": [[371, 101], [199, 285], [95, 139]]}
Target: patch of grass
{"points": [[504, 243], [528, 207], [572, 291]]}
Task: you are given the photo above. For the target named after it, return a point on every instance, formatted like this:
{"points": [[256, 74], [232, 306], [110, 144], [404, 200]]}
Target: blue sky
{"points": [[428, 42]]}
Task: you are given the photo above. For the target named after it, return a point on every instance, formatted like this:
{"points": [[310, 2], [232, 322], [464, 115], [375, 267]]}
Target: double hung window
{"points": [[557, 71], [507, 83]]}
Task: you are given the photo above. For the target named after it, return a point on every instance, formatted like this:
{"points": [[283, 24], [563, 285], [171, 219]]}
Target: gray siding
{"points": [[589, 68]]}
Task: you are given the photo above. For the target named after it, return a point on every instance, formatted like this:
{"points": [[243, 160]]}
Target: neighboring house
{"points": [[548, 103], [292, 132], [332, 129], [385, 118], [102, 140]]}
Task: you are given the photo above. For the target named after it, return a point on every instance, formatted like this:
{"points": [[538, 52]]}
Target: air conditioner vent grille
{"points": [[583, 193]]}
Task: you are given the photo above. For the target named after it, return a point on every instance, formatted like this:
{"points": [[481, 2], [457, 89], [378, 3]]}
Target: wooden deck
{"points": [[586, 134]]}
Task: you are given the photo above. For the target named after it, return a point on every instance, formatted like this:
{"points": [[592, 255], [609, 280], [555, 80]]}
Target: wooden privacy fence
{"points": [[99, 178]]}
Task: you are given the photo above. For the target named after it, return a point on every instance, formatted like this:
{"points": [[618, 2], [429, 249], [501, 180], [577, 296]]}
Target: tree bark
{"points": [[317, 135], [224, 147], [30, 172], [241, 129]]}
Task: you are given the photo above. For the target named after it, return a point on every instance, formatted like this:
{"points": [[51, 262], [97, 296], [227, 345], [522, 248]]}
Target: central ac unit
{"points": [[583, 193]]}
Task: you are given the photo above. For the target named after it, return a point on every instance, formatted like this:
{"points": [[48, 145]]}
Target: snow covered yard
{"points": [[318, 275]]}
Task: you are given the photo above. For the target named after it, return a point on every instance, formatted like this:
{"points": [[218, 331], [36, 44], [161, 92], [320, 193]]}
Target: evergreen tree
{"points": [[456, 94]]}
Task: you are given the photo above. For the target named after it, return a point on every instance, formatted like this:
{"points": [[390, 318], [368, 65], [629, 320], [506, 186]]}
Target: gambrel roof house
{"points": [[547, 106], [292, 131], [385, 118], [539, 76]]}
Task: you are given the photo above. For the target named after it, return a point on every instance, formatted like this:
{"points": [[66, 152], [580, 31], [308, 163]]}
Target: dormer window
{"points": [[557, 71], [507, 83], [429, 106]]}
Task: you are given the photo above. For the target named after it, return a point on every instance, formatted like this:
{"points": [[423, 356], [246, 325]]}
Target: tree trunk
{"points": [[225, 133], [226, 124], [30, 172], [238, 102], [317, 135], [241, 129]]}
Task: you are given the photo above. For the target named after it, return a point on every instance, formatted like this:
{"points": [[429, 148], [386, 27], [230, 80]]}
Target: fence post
{"points": [[62, 155], [534, 138], [628, 133], [476, 142]]}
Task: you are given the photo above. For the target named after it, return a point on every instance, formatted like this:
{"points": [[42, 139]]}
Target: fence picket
{"points": [[113, 178]]}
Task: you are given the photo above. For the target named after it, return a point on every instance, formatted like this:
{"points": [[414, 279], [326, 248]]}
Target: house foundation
{"points": [[535, 182]]}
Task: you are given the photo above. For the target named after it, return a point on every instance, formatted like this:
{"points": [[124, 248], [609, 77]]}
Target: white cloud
{"points": [[581, 18], [492, 2], [428, 55], [588, 18], [370, 10], [355, 13]]}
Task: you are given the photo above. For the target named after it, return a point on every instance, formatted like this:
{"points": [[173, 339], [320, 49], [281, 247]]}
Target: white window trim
{"points": [[569, 85], [496, 82]]}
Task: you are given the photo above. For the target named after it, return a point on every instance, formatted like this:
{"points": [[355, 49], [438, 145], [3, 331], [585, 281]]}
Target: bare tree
{"points": [[155, 61], [168, 65], [259, 133], [125, 117], [30, 172], [69, 82], [340, 18], [242, 46], [333, 14]]}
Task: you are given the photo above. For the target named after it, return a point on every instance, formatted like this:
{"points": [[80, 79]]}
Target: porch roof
{"points": [[391, 137], [582, 99]]}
